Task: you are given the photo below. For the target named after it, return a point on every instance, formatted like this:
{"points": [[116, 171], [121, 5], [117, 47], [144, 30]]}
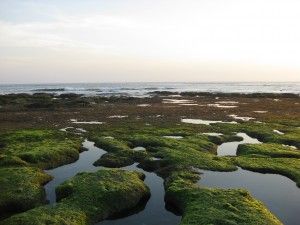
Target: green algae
{"points": [[40, 148], [214, 206], [288, 167], [192, 150], [265, 132], [114, 160], [21, 188], [200, 205], [270, 158], [267, 150], [88, 198]]}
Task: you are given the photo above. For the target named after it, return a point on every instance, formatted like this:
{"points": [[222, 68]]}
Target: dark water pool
{"points": [[155, 212], [229, 148]]}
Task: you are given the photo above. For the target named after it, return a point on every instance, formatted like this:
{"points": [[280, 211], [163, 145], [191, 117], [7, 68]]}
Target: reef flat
{"points": [[173, 135]]}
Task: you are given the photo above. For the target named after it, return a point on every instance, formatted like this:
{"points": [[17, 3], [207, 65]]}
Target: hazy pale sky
{"points": [[157, 40]]}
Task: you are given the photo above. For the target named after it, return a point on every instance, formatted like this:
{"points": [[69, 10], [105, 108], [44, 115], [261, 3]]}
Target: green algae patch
{"points": [[192, 149], [11, 161], [112, 160], [289, 167], [44, 215], [192, 157], [41, 148], [119, 153], [103, 193], [21, 188], [267, 150], [214, 206], [270, 158], [266, 132], [88, 198]]}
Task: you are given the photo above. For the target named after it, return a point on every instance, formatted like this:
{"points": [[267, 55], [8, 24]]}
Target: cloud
{"points": [[192, 33]]}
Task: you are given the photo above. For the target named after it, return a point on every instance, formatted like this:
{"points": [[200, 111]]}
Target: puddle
{"points": [[81, 130], [118, 116], [139, 148], [143, 105], [230, 148], [66, 129], [155, 158], [227, 102], [173, 137], [62, 173], [213, 134], [259, 111], [174, 96], [85, 122], [290, 146], [278, 132], [278, 193], [155, 212], [189, 104], [177, 101], [205, 122], [243, 118], [222, 106], [259, 122]]}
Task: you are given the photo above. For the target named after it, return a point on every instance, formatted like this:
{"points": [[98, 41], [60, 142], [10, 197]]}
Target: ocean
{"points": [[143, 89]]}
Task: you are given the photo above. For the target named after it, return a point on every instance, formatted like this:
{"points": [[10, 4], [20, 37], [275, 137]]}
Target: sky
{"points": [[147, 41]]}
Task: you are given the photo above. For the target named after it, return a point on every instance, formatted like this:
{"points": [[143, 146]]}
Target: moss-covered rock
{"points": [[288, 167], [267, 150], [21, 188], [112, 160], [87, 198], [214, 206], [41, 148]]}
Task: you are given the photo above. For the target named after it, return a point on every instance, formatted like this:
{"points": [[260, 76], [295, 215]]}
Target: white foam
{"points": [[143, 105], [260, 111], [85, 122]]}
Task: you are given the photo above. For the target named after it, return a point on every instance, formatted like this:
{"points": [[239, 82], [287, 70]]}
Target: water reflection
{"points": [[155, 212], [83, 164], [278, 193], [230, 148]]}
